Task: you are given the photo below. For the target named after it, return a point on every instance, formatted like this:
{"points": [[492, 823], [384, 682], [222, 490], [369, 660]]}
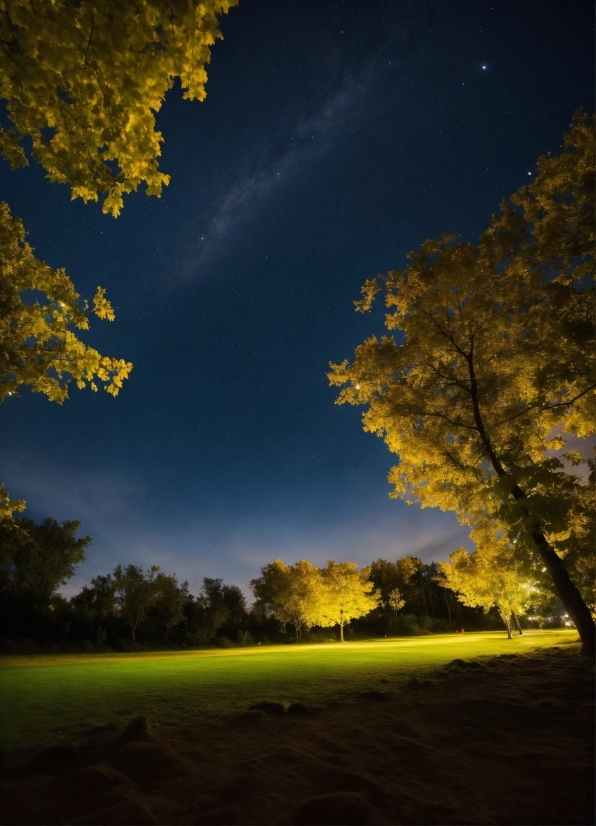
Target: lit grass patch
{"points": [[47, 699]]}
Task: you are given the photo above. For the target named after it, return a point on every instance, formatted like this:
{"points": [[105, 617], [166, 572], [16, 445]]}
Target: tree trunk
{"points": [[568, 593], [448, 605], [566, 590], [516, 623], [341, 631], [507, 622], [421, 590]]}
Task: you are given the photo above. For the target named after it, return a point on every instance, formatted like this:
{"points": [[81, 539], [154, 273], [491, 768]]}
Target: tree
{"points": [[83, 82], [347, 595], [98, 598], [8, 506], [388, 587], [93, 608], [494, 367], [135, 592], [36, 559], [226, 599], [216, 606], [39, 348], [291, 593], [482, 579], [170, 599]]}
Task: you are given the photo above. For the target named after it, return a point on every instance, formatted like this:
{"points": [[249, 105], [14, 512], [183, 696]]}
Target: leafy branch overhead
{"points": [[40, 314], [84, 81]]}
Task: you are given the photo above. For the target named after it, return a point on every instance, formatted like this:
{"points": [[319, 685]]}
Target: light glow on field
{"points": [[69, 697]]}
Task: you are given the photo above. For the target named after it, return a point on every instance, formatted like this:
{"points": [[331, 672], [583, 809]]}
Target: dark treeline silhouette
{"points": [[132, 607]]}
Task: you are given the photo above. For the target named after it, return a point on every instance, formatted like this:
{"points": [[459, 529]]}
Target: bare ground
{"points": [[506, 741]]}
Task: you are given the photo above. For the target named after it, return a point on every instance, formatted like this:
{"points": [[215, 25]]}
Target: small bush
{"points": [[407, 625]]}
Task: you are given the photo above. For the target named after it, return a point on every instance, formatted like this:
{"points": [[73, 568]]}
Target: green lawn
{"points": [[48, 699]]}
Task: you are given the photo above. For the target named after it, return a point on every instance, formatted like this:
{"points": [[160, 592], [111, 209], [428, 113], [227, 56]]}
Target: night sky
{"points": [[335, 137]]}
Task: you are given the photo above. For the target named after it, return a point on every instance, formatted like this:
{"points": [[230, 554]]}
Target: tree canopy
{"points": [[83, 81], [291, 593], [134, 593], [304, 595], [348, 594], [9, 506], [490, 577], [495, 367], [36, 559], [40, 316]]}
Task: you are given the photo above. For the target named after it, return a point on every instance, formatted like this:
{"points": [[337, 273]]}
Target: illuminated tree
{"points": [[83, 82], [494, 366], [490, 577], [9, 506], [347, 595], [291, 593], [39, 347]]}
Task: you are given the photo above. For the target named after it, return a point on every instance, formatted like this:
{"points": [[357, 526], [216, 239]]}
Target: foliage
{"points": [[98, 599], [490, 576], [83, 82], [170, 599], [134, 593], [39, 347], [36, 559], [495, 367], [8, 506], [217, 606], [347, 595], [291, 593], [414, 588], [304, 595]]}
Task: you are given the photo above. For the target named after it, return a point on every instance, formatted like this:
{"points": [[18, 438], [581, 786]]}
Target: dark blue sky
{"points": [[334, 138]]}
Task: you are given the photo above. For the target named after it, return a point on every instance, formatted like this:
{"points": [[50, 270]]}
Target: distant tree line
{"points": [[133, 607]]}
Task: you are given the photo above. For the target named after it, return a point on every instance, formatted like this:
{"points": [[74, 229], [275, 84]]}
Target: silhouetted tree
{"points": [[135, 592]]}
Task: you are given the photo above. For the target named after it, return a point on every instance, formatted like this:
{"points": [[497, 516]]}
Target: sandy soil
{"points": [[508, 741]]}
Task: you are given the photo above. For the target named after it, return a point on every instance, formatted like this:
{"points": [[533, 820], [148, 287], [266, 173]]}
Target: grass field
{"points": [[49, 699]]}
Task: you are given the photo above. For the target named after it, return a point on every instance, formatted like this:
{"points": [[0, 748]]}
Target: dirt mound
{"points": [[148, 764], [511, 743], [269, 707], [138, 729], [342, 808]]}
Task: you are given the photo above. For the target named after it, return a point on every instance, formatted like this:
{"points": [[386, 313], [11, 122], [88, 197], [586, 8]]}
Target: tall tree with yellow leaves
{"points": [[490, 577], [494, 367], [291, 593], [348, 594]]}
